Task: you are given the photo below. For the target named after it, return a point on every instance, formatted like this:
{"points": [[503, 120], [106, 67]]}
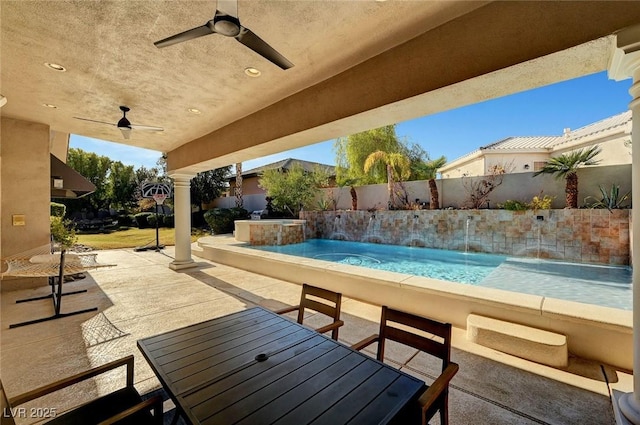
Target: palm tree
{"points": [[238, 187], [566, 166], [398, 167], [431, 170]]}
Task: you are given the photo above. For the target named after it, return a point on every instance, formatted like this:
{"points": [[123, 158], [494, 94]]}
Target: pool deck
{"points": [[141, 296]]}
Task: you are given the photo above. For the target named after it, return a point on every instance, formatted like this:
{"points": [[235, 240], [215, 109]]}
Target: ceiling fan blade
{"points": [[145, 128], [230, 7], [186, 35], [100, 122], [258, 45]]}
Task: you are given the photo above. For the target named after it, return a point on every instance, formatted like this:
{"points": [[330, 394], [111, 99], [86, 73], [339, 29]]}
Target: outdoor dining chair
{"points": [[323, 301], [435, 397], [123, 407]]}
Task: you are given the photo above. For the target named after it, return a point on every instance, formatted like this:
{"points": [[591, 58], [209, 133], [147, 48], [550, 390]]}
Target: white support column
{"points": [[625, 63], [182, 211]]}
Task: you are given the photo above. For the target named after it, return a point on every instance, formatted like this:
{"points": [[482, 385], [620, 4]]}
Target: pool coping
{"points": [[591, 330]]}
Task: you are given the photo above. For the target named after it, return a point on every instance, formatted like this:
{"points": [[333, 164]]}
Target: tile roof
{"points": [[594, 130], [599, 127], [524, 142], [287, 164]]}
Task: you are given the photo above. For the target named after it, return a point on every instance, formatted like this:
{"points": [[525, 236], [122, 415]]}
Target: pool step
{"points": [[529, 343]]}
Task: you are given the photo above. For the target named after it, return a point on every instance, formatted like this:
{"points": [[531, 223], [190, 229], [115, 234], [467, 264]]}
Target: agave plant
{"points": [[610, 200]]}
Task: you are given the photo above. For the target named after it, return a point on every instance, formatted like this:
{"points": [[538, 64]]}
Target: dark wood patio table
{"points": [[255, 367]]}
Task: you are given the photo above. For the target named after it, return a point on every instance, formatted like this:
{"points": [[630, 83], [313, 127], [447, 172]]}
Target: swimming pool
{"points": [[608, 286]]}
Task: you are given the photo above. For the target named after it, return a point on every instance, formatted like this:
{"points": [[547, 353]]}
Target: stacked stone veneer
{"points": [[579, 235], [276, 234]]}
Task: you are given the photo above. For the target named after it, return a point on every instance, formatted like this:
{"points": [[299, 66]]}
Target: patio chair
{"points": [[123, 407], [435, 397], [332, 310]]}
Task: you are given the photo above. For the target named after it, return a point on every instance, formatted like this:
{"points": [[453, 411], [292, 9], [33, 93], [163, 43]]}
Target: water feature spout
{"points": [[414, 235], [466, 234], [338, 229]]}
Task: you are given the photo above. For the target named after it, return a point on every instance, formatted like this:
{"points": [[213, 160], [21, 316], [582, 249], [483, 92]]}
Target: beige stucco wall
{"points": [[519, 186], [250, 186], [524, 186], [613, 151], [515, 162], [25, 176], [59, 145], [474, 166]]}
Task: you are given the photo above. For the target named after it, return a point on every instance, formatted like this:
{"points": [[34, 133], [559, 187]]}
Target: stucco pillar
{"points": [[625, 63], [182, 211]]}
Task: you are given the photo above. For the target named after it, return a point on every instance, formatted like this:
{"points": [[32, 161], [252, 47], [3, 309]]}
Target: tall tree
{"points": [[418, 157], [353, 151], [566, 166], [96, 169], [238, 187], [397, 168], [121, 185], [208, 185], [293, 189]]}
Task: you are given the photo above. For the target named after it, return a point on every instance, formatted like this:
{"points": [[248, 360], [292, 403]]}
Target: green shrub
{"points": [[58, 210], [221, 220], [541, 202], [152, 219], [514, 205], [62, 232], [168, 221], [126, 220], [142, 220]]}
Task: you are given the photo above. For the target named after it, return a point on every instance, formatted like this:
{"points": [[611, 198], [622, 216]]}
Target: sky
{"points": [[545, 111]]}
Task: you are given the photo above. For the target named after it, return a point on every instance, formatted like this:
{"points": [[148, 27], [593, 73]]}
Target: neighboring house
{"points": [[253, 195], [524, 154]]}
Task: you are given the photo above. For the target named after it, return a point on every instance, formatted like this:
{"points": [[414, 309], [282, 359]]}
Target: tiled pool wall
{"points": [[276, 234], [579, 235]]}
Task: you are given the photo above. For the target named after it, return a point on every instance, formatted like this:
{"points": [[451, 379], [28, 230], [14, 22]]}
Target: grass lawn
{"points": [[131, 238]]}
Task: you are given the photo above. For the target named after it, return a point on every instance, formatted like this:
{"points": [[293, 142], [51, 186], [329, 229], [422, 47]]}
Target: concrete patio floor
{"points": [[140, 297]]}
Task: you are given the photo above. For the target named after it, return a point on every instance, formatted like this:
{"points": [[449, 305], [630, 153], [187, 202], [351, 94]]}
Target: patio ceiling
{"points": [[358, 65]]}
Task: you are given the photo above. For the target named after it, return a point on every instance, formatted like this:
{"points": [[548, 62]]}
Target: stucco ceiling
{"points": [[107, 49]]}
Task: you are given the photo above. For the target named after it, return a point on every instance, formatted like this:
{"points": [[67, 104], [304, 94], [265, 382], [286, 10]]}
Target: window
{"points": [[538, 165]]}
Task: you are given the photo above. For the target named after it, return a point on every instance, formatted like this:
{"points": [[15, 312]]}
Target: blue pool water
{"points": [[592, 284]]}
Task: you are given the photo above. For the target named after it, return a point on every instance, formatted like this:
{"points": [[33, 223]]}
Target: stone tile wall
{"points": [[276, 234], [578, 235]]}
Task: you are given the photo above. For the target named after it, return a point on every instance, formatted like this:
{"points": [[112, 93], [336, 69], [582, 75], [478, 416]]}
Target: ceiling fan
{"points": [[225, 22], [124, 125]]}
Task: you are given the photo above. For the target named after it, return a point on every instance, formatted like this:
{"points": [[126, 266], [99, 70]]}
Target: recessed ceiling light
{"points": [[55, 66], [252, 72], [194, 111], [49, 105]]}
